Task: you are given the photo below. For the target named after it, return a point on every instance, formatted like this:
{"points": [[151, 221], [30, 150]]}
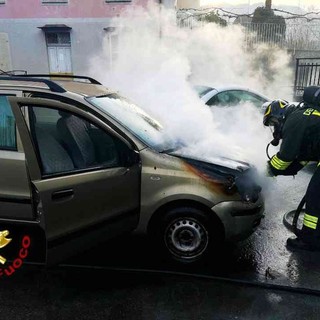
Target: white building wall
{"points": [[29, 49]]}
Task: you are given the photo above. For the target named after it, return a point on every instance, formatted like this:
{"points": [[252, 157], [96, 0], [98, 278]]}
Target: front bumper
{"points": [[240, 219]]}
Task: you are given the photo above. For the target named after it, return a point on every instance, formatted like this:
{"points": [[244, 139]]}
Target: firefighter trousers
{"points": [[310, 232]]}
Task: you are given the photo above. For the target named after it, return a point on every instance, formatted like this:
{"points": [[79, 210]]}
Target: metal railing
{"points": [[270, 33], [307, 74], [292, 36], [297, 35]]}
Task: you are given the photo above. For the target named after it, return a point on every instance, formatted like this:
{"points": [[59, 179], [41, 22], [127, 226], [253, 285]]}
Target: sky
{"points": [[302, 3]]}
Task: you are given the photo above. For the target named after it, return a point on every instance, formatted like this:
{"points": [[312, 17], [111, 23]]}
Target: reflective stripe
{"points": [[310, 224], [310, 221], [268, 111], [316, 113], [311, 218], [279, 164]]}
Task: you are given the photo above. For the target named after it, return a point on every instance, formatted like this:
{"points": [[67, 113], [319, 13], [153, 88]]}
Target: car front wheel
{"points": [[186, 234]]}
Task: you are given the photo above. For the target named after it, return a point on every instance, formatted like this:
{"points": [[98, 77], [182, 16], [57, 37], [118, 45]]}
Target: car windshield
{"points": [[133, 118]]}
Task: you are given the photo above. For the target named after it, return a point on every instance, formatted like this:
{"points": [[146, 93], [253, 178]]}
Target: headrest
{"points": [[64, 114]]}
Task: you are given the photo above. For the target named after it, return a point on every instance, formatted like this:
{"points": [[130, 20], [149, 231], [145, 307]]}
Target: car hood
{"points": [[236, 176], [222, 163]]}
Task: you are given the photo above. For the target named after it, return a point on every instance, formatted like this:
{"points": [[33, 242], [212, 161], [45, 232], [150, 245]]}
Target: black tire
{"points": [[186, 234]]}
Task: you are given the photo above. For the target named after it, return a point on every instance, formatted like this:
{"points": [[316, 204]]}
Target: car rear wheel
{"points": [[186, 234]]}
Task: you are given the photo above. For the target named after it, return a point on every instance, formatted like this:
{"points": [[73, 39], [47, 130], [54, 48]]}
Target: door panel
{"points": [[17, 217], [92, 198], [15, 195]]}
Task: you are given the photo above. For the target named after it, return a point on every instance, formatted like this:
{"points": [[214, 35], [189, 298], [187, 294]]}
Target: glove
{"points": [[292, 169]]}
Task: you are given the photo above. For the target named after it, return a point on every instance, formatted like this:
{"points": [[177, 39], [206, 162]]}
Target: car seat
{"points": [[73, 131], [54, 157]]}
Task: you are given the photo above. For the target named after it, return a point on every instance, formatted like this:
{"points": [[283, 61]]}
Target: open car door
{"points": [[85, 177], [22, 238]]}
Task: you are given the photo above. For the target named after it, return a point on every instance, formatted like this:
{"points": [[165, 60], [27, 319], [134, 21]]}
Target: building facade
{"points": [[59, 36]]}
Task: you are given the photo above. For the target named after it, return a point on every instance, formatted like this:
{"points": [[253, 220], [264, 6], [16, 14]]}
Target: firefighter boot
{"points": [[294, 244]]}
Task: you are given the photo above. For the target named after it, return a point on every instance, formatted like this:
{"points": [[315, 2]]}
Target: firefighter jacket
{"points": [[300, 141]]}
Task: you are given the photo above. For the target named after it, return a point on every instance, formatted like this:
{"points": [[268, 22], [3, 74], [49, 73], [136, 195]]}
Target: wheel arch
{"points": [[156, 216]]}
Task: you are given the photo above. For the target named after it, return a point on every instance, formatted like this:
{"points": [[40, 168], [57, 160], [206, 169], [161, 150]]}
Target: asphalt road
{"points": [[69, 293], [126, 279], [263, 258]]}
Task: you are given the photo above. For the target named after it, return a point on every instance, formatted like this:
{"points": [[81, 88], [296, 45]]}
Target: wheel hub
{"points": [[186, 238]]}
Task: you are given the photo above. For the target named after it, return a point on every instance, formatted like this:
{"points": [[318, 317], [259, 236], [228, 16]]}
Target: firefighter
{"points": [[299, 129]]}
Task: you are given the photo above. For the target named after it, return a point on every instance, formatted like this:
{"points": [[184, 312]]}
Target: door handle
{"points": [[62, 194]]}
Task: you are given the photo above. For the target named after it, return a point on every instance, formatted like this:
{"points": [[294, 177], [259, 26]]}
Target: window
{"points": [[2, 1], [113, 45], [235, 97], [58, 38], [66, 142], [59, 52], [253, 98], [54, 1], [8, 139], [229, 98]]}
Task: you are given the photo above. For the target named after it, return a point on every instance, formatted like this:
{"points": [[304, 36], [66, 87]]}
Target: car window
{"points": [[8, 140], [66, 142], [235, 97], [134, 119], [253, 98], [228, 98]]}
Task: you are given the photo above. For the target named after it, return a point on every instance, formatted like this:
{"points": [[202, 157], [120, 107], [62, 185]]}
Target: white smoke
{"points": [[157, 64]]}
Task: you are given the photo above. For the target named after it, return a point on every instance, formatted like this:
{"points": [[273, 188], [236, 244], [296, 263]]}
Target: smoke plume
{"points": [[158, 63]]}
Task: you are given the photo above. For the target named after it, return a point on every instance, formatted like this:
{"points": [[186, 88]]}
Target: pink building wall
{"points": [[24, 9]]}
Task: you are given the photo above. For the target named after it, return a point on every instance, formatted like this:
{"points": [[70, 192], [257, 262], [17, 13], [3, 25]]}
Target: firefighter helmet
{"points": [[275, 112], [311, 95]]}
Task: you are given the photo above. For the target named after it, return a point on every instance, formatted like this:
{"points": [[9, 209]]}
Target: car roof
{"points": [[218, 89], [79, 87], [84, 89], [224, 88]]}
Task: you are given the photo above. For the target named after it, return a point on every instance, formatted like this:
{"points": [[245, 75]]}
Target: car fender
{"points": [[171, 194]]}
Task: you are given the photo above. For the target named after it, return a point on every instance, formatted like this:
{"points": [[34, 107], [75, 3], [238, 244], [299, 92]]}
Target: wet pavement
{"points": [[68, 293], [126, 279], [263, 258]]}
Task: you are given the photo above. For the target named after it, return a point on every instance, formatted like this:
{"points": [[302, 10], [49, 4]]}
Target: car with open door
{"points": [[80, 164]]}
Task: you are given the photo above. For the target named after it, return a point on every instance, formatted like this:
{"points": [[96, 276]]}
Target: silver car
{"points": [[230, 96]]}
